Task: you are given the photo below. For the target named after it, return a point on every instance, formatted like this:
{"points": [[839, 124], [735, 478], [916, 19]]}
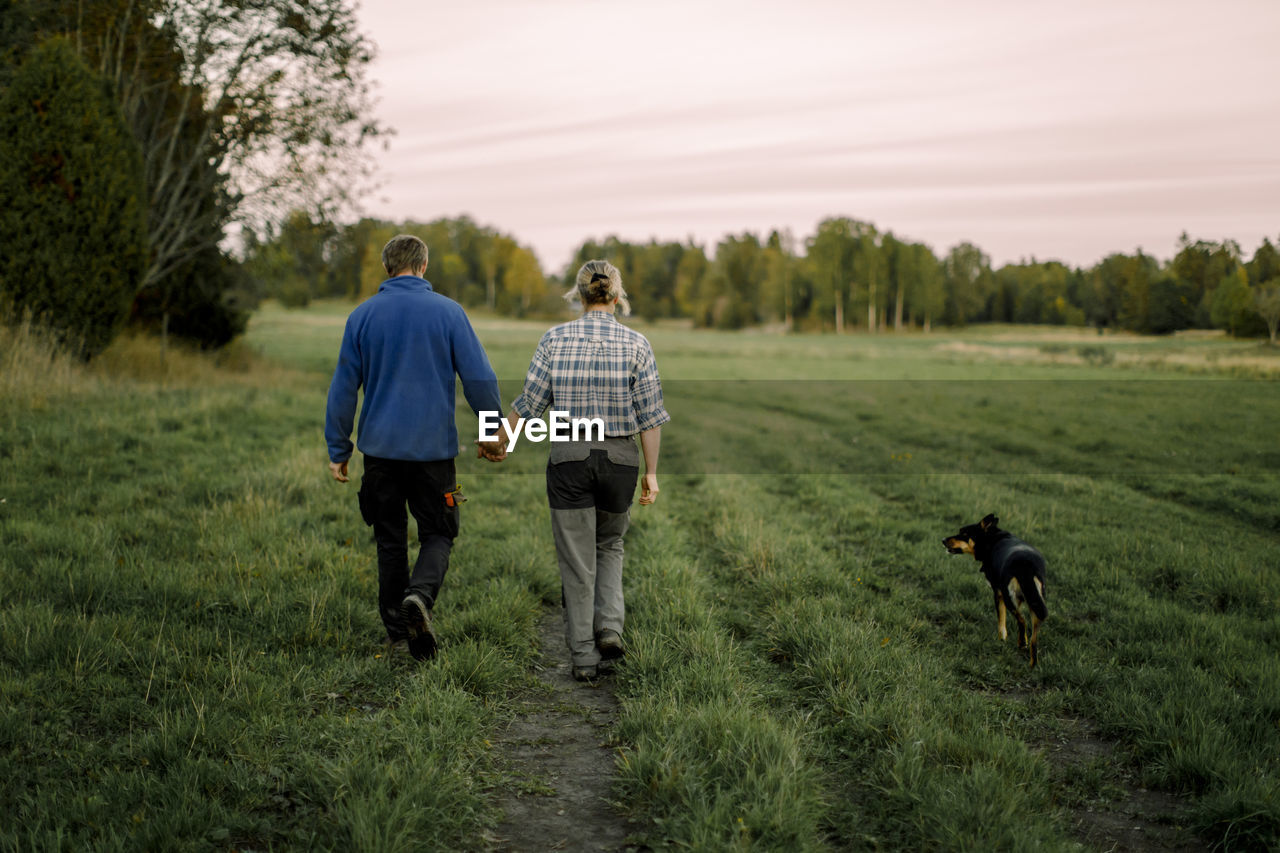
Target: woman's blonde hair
{"points": [[600, 283]]}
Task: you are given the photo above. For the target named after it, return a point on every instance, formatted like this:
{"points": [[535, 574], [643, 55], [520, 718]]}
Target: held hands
{"points": [[339, 471], [494, 451], [648, 489]]}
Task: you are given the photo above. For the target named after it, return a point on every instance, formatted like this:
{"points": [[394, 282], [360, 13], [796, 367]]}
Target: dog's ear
{"points": [[989, 522]]}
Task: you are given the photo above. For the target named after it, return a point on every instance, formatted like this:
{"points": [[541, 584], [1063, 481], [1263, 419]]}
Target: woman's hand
{"points": [[648, 489]]}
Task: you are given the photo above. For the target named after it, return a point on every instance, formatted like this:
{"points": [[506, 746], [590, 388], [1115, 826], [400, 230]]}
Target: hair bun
{"points": [[599, 283]]}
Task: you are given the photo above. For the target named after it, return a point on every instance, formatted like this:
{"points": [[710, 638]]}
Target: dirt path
{"points": [[561, 765], [1132, 818], [1122, 816]]}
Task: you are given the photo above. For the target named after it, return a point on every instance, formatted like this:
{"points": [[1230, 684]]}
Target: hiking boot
{"points": [[610, 644], [585, 673], [416, 616]]}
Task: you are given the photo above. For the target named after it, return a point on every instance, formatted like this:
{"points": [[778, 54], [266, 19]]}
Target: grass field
{"points": [[190, 657]]}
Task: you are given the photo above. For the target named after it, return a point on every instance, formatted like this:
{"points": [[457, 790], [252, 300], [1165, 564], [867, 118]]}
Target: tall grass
{"points": [[33, 365]]}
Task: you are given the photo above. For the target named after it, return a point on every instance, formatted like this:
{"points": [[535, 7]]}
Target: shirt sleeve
{"points": [[479, 382], [340, 411], [536, 394], [646, 391]]}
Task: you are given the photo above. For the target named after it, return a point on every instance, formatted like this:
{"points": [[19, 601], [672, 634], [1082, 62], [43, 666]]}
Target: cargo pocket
{"points": [[452, 514], [366, 505], [368, 497]]}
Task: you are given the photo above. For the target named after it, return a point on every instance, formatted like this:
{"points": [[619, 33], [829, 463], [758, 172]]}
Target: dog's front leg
{"points": [[1001, 631]]}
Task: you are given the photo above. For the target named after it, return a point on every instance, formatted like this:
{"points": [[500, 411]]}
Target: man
{"points": [[404, 346]]}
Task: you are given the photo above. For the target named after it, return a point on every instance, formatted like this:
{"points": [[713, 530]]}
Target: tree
{"points": [[1036, 292], [351, 247], [520, 280], [967, 272], [1104, 291], [270, 94], [777, 299], [831, 253], [17, 34], [1267, 303], [242, 110], [649, 276], [869, 268], [292, 263], [1198, 268], [898, 266], [927, 294], [210, 309], [1232, 303], [1172, 304], [71, 200], [738, 273], [1265, 264], [1009, 293], [1138, 275], [690, 290]]}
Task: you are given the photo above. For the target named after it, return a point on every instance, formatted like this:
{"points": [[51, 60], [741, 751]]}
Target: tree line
{"points": [[307, 258], [847, 275]]}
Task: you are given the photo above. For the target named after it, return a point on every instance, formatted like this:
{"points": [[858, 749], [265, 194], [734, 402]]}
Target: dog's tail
{"points": [[1034, 594]]}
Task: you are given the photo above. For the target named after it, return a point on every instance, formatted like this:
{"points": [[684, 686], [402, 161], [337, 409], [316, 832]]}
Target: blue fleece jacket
{"points": [[404, 345]]}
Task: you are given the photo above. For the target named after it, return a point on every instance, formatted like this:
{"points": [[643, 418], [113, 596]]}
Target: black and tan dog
{"points": [[1015, 570]]}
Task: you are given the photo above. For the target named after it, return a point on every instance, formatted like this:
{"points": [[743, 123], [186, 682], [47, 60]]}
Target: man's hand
{"points": [[339, 471], [494, 451], [648, 489]]}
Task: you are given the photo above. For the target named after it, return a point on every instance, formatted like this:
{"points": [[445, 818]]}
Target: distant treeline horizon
{"points": [[847, 275], [134, 136]]}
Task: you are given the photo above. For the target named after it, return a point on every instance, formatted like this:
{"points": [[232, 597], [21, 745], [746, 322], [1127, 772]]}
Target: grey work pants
{"points": [[590, 502], [589, 548]]}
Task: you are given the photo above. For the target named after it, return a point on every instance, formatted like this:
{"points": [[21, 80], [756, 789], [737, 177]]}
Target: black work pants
{"points": [[388, 486]]}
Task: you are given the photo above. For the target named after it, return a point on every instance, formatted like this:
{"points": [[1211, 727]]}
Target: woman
{"points": [[595, 367]]}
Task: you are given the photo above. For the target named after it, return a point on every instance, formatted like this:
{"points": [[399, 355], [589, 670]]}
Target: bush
{"points": [[72, 200], [208, 302], [1096, 355]]}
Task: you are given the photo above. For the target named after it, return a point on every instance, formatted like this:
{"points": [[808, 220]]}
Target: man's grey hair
{"points": [[404, 253], [600, 283]]}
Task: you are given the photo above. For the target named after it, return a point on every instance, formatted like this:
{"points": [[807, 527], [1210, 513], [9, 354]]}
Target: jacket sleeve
{"points": [[479, 382], [340, 412]]}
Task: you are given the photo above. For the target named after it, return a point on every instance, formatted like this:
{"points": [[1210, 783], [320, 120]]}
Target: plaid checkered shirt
{"points": [[595, 367]]}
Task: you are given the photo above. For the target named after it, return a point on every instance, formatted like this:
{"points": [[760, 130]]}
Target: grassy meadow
{"points": [[190, 656]]}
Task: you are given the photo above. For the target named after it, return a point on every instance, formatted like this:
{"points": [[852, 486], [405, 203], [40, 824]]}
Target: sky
{"points": [[1057, 131]]}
